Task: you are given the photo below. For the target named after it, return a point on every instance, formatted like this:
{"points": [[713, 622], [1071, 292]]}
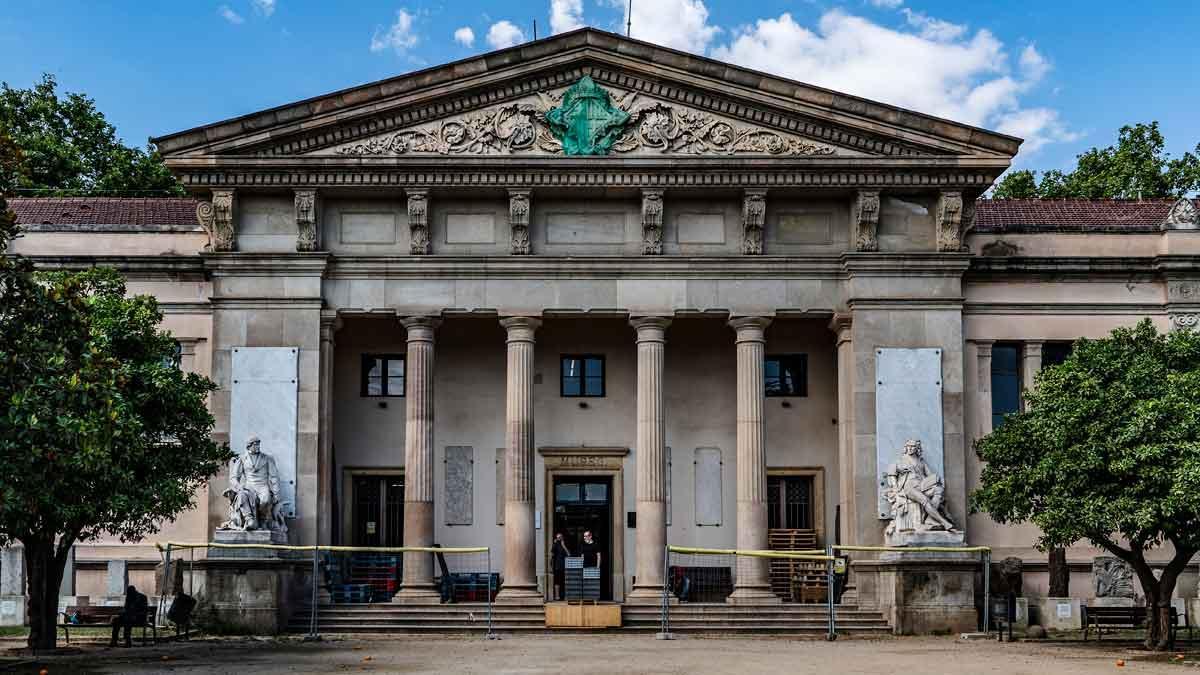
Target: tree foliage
{"points": [[1135, 168], [68, 146], [1108, 451], [100, 432]]}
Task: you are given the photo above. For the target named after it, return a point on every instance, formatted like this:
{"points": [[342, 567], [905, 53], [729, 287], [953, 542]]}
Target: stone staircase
{"points": [[692, 618], [770, 619]]}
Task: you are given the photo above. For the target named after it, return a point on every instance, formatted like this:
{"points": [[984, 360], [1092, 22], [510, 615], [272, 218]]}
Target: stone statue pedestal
{"points": [[920, 593], [251, 537], [919, 538], [1111, 602]]}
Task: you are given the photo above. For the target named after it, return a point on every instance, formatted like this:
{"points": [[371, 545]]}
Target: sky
{"points": [[1064, 75]]}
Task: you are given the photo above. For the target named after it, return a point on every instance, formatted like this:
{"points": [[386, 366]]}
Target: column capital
{"points": [[983, 347], [521, 328], [841, 324], [331, 323], [1033, 348], [650, 328], [420, 328], [750, 328]]}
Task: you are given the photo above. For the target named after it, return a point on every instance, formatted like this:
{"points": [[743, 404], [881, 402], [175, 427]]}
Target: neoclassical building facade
{"points": [[592, 283]]}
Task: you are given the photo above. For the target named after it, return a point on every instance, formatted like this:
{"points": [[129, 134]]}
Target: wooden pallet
{"points": [[801, 581]]}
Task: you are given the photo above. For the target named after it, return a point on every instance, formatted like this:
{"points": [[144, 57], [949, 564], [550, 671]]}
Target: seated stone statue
{"points": [[253, 492], [916, 495]]}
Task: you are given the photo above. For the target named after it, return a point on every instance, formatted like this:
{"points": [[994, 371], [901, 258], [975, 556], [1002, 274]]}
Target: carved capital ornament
{"points": [[864, 220], [216, 217], [518, 221], [418, 221], [948, 219], [754, 213], [308, 233], [652, 220]]}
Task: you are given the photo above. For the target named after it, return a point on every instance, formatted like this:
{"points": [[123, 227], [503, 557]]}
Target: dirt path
{"points": [[583, 655]]}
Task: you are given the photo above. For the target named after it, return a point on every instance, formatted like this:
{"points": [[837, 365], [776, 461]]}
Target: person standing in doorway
{"points": [[590, 550], [559, 553]]}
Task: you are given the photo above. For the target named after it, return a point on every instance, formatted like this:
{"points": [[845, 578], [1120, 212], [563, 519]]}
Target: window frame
{"points": [[583, 376], [802, 391], [367, 361], [1017, 375]]}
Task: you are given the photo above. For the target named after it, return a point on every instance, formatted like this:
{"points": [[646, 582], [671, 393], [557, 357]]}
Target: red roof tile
{"points": [[1071, 215], [118, 213]]}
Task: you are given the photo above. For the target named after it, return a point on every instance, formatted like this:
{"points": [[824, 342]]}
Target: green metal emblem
{"points": [[587, 123]]}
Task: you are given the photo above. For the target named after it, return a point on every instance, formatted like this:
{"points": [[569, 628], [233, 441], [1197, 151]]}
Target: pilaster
{"points": [[1031, 365], [330, 325]]}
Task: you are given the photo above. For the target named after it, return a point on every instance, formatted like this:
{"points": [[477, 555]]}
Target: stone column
{"points": [[651, 460], [520, 544], [1031, 364], [983, 385], [417, 583], [330, 324], [842, 326], [752, 584]]}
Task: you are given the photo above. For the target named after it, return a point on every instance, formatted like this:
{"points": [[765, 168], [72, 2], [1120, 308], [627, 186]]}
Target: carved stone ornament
{"points": [[216, 217], [1112, 578], [865, 219], [652, 220], [949, 221], [418, 221], [307, 228], [916, 498], [518, 220], [754, 213], [1185, 321], [1182, 216], [586, 119]]}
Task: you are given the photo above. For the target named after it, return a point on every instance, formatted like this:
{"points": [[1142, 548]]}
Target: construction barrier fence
{"points": [[345, 588]]}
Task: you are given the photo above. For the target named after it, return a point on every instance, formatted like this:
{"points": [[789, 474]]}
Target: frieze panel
{"points": [[588, 120]]}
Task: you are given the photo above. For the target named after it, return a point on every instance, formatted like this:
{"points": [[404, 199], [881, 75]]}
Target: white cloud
{"points": [[229, 15], [679, 24], [264, 7], [400, 37], [932, 66], [504, 34], [934, 29], [565, 15], [465, 36], [886, 4]]}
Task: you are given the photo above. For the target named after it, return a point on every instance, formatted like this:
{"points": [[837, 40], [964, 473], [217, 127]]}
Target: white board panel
{"points": [[708, 486], [908, 405], [264, 404]]}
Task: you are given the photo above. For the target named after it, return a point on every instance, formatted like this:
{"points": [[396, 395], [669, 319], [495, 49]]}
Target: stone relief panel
{"points": [[1182, 216], [615, 121], [460, 484], [1112, 578]]}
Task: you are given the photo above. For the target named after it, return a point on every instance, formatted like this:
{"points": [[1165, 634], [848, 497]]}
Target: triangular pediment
{"points": [[643, 101]]}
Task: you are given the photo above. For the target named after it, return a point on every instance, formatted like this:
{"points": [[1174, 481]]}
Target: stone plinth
{"points": [[12, 610], [253, 537], [1111, 602], [1058, 613], [921, 593], [926, 538], [1021, 619], [117, 579], [249, 596]]}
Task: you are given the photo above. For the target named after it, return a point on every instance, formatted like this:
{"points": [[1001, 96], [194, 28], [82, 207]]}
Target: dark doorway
{"points": [[378, 517], [584, 503]]}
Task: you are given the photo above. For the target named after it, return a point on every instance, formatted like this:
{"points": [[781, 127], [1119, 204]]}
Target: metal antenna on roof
{"points": [[535, 29], [629, 20]]}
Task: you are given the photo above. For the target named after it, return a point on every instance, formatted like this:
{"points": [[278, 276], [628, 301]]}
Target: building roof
{"points": [[128, 214], [1071, 215]]}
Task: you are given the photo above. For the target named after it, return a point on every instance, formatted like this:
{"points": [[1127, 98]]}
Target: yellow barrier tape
{"points": [[789, 555], [916, 549], [343, 549]]}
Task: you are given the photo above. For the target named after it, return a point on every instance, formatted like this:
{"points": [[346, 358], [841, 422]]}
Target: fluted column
{"points": [[417, 583], [520, 545], [330, 324], [651, 460], [752, 584]]}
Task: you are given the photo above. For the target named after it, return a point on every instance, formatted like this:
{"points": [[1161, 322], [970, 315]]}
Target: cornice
{"points": [[1073, 266], [274, 264], [923, 264], [134, 267], [1066, 308], [584, 267]]}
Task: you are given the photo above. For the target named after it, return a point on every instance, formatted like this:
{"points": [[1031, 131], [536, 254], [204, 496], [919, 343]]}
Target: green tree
{"points": [[100, 432], [69, 147], [1108, 451], [1135, 168]]}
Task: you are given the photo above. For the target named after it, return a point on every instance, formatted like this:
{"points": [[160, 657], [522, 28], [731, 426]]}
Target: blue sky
{"points": [[1064, 74]]}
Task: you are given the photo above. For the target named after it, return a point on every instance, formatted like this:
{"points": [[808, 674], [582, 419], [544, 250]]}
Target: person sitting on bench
{"points": [[134, 614]]}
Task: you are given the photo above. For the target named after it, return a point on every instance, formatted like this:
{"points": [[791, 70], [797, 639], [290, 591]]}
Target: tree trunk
{"points": [[1060, 574], [45, 572], [1158, 592]]}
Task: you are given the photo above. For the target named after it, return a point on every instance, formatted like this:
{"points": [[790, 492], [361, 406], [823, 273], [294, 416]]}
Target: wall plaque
{"points": [[460, 484], [263, 404], [708, 486], [908, 405]]}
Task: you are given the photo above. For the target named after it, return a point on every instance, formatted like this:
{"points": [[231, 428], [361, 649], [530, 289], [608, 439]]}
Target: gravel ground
{"points": [[584, 654]]}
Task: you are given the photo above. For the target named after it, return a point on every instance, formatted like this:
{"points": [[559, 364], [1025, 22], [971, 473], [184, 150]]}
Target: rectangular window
{"points": [[789, 502], [1054, 353], [786, 375], [582, 375], [1006, 381], [382, 375]]}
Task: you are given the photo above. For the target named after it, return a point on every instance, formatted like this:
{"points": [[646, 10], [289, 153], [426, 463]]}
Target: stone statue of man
{"points": [[253, 491], [916, 493]]}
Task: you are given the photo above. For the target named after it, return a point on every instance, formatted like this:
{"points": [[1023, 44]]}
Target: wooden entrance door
{"points": [[378, 510]]}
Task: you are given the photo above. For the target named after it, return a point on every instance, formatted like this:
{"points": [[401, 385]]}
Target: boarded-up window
{"points": [[708, 486], [460, 484]]}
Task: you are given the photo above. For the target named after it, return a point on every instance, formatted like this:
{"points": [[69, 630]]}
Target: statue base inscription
{"points": [[252, 538]]}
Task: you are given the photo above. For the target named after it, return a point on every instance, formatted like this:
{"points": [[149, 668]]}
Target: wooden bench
{"points": [[1119, 617], [102, 617]]}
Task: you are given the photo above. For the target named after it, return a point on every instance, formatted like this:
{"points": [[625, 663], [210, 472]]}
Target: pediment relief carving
{"points": [[585, 119]]}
